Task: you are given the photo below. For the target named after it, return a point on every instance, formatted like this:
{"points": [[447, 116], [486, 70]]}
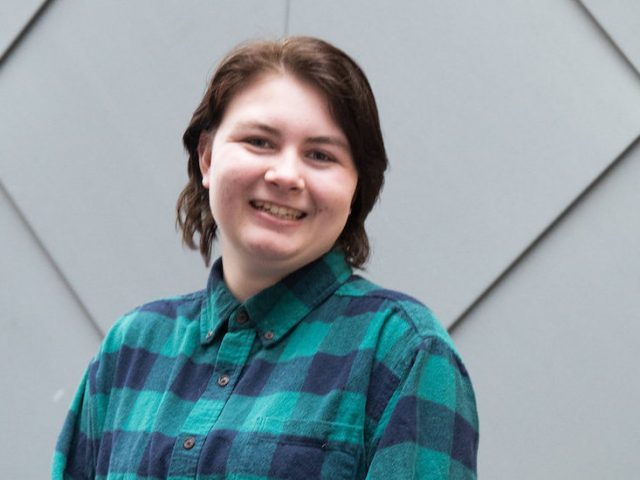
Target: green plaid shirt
{"points": [[323, 375]]}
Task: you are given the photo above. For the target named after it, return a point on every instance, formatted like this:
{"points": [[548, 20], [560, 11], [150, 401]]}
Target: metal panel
{"points": [[621, 20], [553, 351], [95, 101], [496, 115], [14, 15], [45, 345]]}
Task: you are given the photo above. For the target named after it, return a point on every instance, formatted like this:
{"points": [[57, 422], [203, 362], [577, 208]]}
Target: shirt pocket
{"points": [[302, 449]]}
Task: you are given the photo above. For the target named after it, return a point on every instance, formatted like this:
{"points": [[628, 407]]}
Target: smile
{"points": [[278, 211]]}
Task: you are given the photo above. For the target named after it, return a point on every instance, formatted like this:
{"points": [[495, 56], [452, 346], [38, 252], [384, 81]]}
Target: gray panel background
{"points": [[45, 344], [497, 117], [553, 351]]}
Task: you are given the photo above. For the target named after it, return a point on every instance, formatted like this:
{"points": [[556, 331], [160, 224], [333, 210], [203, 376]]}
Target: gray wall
{"points": [[511, 207]]}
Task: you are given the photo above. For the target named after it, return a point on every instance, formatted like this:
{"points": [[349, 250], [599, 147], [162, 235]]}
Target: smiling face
{"points": [[280, 175]]}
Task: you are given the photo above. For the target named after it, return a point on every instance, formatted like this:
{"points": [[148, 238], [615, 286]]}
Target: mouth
{"points": [[278, 211]]}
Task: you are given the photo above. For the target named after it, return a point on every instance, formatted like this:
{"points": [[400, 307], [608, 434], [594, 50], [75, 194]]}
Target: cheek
{"points": [[226, 188], [337, 204], [335, 190], [343, 197]]}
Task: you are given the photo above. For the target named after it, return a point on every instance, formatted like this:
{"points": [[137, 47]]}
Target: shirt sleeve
{"points": [[429, 428], [75, 455]]}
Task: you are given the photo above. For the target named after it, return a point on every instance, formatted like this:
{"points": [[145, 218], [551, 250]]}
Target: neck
{"points": [[246, 286], [244, 281]]}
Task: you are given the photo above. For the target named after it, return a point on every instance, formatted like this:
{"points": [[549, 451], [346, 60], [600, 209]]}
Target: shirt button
{"points": [[188, 443], [268, 335], [223, 380], [242, 317]]}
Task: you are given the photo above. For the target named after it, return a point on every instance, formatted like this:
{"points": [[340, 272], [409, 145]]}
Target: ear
{"points": [[204, 156]]}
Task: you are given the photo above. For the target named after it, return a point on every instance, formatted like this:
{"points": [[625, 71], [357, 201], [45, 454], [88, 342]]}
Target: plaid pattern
{"points": [[324, 375]]}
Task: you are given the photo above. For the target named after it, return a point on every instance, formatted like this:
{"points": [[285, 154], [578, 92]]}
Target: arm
{"points": [[75, 453], [429, 428]]}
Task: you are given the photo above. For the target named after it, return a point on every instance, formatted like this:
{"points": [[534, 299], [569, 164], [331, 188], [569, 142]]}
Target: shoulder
{"points": [[408, 315], [400, 328], [154, 319], [161, 328]]}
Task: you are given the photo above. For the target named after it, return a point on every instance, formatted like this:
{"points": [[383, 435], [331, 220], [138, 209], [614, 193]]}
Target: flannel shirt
{"points": [[321, 376]]}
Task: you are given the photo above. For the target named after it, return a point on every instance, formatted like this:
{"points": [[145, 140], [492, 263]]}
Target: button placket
{"points": [[231, 357]]}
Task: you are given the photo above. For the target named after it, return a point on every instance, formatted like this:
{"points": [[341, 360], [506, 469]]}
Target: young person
{"points": [[287, 366]]}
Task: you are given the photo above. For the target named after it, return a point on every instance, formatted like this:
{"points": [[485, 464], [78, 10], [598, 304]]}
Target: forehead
{"points": [[278, 95]]}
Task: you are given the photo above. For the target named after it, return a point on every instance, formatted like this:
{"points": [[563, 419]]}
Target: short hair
{"points": [[351, 104]]}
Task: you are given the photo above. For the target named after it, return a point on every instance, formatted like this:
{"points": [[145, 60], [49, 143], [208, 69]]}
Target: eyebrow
{"points": [[338, 142], [260, 126], [319, 140]]}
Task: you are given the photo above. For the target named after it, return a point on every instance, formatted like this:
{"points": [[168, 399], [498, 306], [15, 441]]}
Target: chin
{"points": [[282, 257], [271, 253]]}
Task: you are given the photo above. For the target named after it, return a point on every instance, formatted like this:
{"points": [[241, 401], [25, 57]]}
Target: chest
{"points": [[237, 407]]}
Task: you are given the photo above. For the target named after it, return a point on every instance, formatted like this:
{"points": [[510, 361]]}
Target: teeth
{"points": [[280, 212]]}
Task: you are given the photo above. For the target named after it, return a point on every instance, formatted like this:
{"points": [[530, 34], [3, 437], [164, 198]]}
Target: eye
{"points": [[259, 142], [320, 156]]}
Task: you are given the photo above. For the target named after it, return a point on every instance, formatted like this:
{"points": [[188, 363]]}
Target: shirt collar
{"points": [[274, 311]]}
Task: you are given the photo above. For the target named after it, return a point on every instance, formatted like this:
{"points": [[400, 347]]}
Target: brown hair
{"points": [[351, 103]]}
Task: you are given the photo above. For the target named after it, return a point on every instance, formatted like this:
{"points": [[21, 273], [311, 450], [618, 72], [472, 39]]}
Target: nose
{"points": [[284, 172]]}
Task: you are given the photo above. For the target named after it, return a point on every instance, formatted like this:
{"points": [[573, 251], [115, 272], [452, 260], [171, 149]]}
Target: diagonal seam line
{"points": [[51, 260], [608, 36], [24, 31], [547, 230]]}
